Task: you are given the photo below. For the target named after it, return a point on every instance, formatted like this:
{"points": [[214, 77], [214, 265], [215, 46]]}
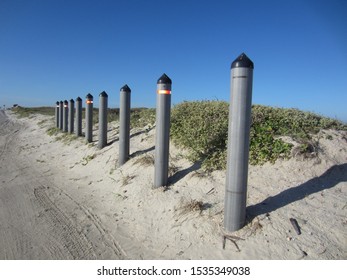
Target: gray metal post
{"points": [[124, 121], [61, 112], [71, 116], [162, 139], [57, 114], [238, 143], [89, 118], [102, 120], [78, 116], [65, 116]]}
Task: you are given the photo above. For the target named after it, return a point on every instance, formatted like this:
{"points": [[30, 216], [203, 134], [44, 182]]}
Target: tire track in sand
{"points": [[76, 243], [107, 238]]}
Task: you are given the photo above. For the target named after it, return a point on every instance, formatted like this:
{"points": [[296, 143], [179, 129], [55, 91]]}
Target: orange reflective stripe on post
{"points": [[89, 101], [163, 91]]}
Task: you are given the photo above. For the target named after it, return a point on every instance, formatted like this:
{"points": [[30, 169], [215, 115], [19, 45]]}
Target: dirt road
{"points": [[36, 215]]}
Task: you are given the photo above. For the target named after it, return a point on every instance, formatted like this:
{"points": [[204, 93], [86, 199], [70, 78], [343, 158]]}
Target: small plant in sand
{"points": [[306, 149], [52, 131], [190, 206], [112, 170], [87, 159]]}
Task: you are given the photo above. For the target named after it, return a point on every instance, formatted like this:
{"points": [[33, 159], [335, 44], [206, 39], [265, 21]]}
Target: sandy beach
{"points": [[61, 198]]}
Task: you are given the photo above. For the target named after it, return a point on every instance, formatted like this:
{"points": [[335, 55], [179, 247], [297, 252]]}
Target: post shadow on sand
{"points": [[113, 141], [141, 152], [142, 131], [184, 172], [115, 138], [110, 129], [329, 179]]}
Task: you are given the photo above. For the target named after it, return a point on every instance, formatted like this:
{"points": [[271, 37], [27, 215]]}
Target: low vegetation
{"points": [[146, 160], [142, 117], [52, 131], [201, 127], [25, 112]]}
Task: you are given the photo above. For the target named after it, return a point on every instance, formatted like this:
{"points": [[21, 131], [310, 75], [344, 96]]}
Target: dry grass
{"points": [[192, 205], [126, 179], [146, 160]]}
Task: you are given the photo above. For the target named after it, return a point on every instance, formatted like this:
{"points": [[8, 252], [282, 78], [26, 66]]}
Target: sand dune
{"points": [[64, 199]]}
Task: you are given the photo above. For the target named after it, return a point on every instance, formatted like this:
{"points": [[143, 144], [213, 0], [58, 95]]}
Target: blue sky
{"points": [[59, 49]]}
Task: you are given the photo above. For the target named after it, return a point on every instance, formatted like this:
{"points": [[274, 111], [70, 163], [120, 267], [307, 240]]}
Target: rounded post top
{"points": [[242, 61], [103, 94], [57, 102], [61, 102], [125, 88], [89, 96], [65, 102], [72, 101], [164, 79], [78, 99]]}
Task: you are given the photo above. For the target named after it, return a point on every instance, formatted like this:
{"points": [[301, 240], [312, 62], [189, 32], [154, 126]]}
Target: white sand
{"points": [[116, 213]]}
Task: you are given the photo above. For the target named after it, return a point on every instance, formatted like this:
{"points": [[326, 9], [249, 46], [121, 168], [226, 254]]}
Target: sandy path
{"points": [[35, 215]]}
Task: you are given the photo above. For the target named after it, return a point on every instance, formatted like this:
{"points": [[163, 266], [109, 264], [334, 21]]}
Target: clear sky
{"points": [[59, 49]]}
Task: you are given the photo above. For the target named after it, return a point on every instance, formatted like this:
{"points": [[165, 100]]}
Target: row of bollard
{"points": [[65, 113], [238, 133], [65, 118]]}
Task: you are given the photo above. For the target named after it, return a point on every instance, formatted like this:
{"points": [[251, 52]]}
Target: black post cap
{"points": [[125, 88], [57, 102], [164, 79], [78, 99], [89, 96], [61, 102], [72, 101], [242, 61], [103, 94], [65, 102]]}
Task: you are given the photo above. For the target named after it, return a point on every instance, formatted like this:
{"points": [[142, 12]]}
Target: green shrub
{"points": [[112, 115], [202, 128], [292, 122], [141, 117]]}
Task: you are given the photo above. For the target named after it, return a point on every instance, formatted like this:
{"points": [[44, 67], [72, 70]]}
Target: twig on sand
{"points": [[210, 191], [295, 225], [232, 238]]}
